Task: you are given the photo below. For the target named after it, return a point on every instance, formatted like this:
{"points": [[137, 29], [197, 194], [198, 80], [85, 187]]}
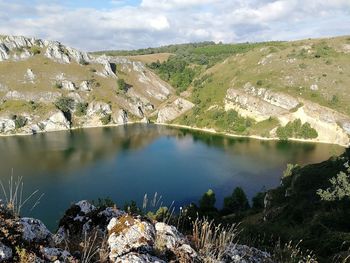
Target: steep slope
{"points": [[46, 86]]}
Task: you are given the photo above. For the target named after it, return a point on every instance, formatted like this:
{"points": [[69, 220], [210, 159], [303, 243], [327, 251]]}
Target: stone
{"points": [[68, 85], [98, 108], [128, 234], [121, 117], [30, 76], [56, 122], [242, 253], [34, 230], [5, 252], [53, 254], [85, 206], [7, 125], [85, 86], [174, 110]]}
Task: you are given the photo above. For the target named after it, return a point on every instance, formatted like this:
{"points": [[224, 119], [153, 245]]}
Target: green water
{"points": [[124, 163]]}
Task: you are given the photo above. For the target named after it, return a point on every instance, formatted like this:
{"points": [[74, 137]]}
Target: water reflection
{"points": [[126, 162]]}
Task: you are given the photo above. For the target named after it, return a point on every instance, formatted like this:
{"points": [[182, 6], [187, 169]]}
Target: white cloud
{"points": [[154, 23]]}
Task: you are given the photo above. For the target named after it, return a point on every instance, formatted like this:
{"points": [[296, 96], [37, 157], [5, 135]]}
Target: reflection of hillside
{"points": [[70, 150], [63, 151]]}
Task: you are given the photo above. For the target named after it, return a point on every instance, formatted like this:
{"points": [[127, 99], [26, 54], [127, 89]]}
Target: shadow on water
{"points": [[126, 162]]}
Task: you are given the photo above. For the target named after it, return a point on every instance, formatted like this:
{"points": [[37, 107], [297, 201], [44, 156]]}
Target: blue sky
{"points": [[129, 24]]}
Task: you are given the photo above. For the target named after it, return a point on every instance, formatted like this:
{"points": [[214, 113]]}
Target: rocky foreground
{"points": [[106, 234]]}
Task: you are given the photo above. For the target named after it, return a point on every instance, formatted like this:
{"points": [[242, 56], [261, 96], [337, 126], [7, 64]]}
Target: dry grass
{"points": [[210, 240], [151, 57]]}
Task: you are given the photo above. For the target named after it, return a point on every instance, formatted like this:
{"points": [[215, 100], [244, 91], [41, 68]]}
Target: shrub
{"points": [[122, 85], [258, 201], [236, 202], [106, 119], [64, 104], [81, 108], [57, 85], [35, 50], [259, 82], [20, 122]]}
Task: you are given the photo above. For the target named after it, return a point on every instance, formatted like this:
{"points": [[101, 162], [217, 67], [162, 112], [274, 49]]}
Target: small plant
{"points": [[58, 85], [20, 122], [290, 253], [122, 85], [106, 119], [35, 50], [259, 82]]}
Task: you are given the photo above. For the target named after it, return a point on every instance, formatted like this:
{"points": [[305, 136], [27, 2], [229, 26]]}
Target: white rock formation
{"points": [[314, 87], [68, 85], [30, 76], [121, 117], [98, 108], [41, 96], [174, 110], [7, 125], [127, 234], [85, 86], [56, 122]]}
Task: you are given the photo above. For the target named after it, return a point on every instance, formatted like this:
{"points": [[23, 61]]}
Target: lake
{"points": [[126, 162]]}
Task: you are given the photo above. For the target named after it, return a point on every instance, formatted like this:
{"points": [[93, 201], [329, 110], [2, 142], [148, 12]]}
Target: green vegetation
{"points": [[236, 203], [122, 86], [81, 108], [64, 104], [295, 129], [106, 119]]}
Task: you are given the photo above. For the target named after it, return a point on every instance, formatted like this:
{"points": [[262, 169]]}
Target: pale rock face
{"points": [[34, 230], [121, 117], [5, 252], [174, 110], [68, 85], [4, 52], [138, 258], [78, 56], [107, 71], [98, 108], [56, 122], [346, 127], [7, 125], [56, 52], [75, 96], [127, 234], [111, 212], [85, 86], [145, 120], [30, 76]]}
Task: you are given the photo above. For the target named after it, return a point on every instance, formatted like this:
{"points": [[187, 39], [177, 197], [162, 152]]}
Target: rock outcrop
{"points": [[110, 234], [56, 122], [173, 110]]}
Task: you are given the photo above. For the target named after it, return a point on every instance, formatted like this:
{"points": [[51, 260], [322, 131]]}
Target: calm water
{"points": [[124, 163]]}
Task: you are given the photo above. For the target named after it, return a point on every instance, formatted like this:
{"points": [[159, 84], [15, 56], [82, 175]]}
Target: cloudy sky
{"points": [[128, 24]]}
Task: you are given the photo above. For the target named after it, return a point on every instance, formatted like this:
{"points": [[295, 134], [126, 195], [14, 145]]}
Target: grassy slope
{"points": [[289, 67]]}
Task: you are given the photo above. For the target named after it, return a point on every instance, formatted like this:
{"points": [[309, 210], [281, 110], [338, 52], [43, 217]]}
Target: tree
{"points": [[65, 104], [207, 202], [258, 201], [340, 187], [237, 202]]}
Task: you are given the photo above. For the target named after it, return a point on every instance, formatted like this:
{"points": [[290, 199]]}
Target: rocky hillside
{"points": [[89, 233], [256, 88], [46, 86]]}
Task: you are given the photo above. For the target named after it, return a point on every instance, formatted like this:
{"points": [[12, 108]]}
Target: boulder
{"points": [[242, 253], [121, 117], [85, 86], [68, 85], [56, 254], [56, 122], [30, 76], [34, 230], [174, 110], [7, 125], [314, 87], [5, 253], [128, 234], [98, 108]]}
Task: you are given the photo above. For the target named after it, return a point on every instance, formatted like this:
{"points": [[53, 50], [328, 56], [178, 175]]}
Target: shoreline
{"points": [[206, 130]]}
